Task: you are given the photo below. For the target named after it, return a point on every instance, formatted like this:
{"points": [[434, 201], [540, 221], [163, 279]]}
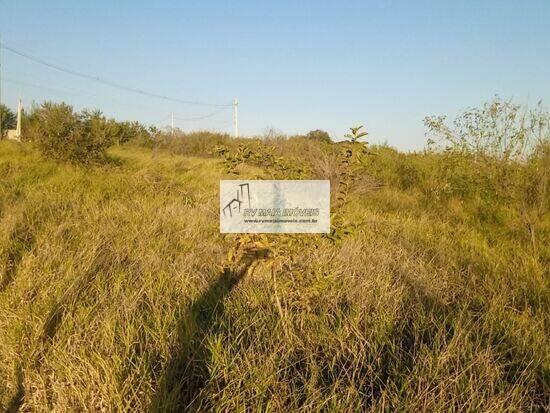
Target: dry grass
{"points": [[113, 296]]}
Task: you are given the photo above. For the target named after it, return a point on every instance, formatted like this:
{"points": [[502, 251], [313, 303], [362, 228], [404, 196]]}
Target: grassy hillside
{"points": [[119, 294]]}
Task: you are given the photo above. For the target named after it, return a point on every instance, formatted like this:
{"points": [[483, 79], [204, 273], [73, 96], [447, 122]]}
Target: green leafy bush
{"points": [[125, 132], [63, 134], [7, 118]]}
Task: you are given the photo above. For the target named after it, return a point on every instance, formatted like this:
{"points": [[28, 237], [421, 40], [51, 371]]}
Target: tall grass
{"points": [[114, 295]]}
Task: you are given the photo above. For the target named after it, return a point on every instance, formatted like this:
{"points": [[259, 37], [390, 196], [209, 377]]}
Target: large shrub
{"points": [[490, 143], [63, 134]]}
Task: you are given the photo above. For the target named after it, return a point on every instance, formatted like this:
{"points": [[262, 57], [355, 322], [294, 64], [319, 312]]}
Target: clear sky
{"points": [[294, 65]]}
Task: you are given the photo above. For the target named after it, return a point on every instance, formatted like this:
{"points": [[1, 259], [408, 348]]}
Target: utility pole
{"points": [[172, 123], [236, 117], [19, 119]]}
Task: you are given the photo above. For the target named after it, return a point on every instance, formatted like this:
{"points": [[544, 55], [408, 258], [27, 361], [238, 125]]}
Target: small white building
{"points": [[15, 134]]}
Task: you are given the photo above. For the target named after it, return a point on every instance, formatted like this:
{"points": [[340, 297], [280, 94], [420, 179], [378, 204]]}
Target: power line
{"points": [[106, 81], [52, 89], [202, 117], [76, 92], [89, 95]]}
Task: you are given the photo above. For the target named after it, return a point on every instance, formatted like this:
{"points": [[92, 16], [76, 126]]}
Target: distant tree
{"points": [[319, 135], [9, 119]]}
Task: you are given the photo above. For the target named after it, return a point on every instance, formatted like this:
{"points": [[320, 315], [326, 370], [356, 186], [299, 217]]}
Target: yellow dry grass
{"points": [[113, 297]]}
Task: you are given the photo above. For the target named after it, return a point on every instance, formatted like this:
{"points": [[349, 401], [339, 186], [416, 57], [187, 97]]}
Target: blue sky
{"points": [[294, 65]]}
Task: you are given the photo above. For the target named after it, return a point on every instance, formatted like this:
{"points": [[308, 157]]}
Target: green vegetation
{"points": [[80, 138], [7, 118], [319, 135], [118, 293]]}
